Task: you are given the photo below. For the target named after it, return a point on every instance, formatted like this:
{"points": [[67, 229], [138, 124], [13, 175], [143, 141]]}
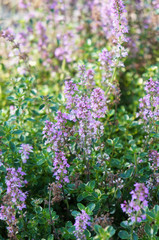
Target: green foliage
{"points": [[118, 159]]}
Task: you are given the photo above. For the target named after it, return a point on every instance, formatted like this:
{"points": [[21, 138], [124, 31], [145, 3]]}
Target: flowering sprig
{"points": [[149, 104], [60, 166], [87, 105], [17, 54], [81, 223], [25, 150], [57, 138], [13, 200], [120, 25], [57, 133], [56, 7], [138, 203], [43, 40], [23, 4], [116, 28], [66, 48], [154, 161]]}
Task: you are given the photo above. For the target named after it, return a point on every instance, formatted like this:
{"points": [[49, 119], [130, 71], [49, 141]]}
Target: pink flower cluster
{"points": [[98, 103], [57, 7], [23, 4], [43, 39], [155, 4], [116, 28], [81, 223], [86, 77], [113, 20], [86, 107], [120, 25], [14, 199], [60, 166], [57, 135], [138, 202], [8, 34], [25, 150], [65, 50], [154, 161], [149, 105]]}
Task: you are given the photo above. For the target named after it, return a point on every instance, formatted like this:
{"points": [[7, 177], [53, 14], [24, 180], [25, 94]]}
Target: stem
{"points": [[132, 229], [114, 73], [65, 200], [86, 161], [135, 158], [52, 223]]}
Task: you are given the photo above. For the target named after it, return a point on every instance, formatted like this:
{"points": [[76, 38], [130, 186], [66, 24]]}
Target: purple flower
{"points": [[60, 166], [8, 34], [98, 103], [13, 200], [25, 150], [81, 223], [138, 202], [149, 104], [85, 105], [24, 4], [66, 48]]}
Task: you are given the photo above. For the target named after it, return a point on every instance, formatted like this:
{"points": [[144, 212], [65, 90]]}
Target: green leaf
{"points": [[148, 230], [68, 224], [17, 132], [151, 215], [40, 162], [125, 224], [115, 163], [118, 193], [123, 129], [111, 113], [35, 113], [80, 198], [17, 112], [33, 92], [155, 229], [110, 141], [51, 237], [92, 184], [75, 213], [80, 206], [110, 230], [123, 235], [157, 123], [10, 98], [54, 109], [96, 228], [91, 207], [156, 135], [60, 96], [156, 208], [135, 237], [42, 106], [22, 138], [29, 99], [12, 146], [118, 145], [2, 133], [87, 233], [128, 173], [30, 119]]}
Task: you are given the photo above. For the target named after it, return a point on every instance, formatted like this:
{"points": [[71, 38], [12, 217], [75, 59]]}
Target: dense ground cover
{"points": [[79, 120]]}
